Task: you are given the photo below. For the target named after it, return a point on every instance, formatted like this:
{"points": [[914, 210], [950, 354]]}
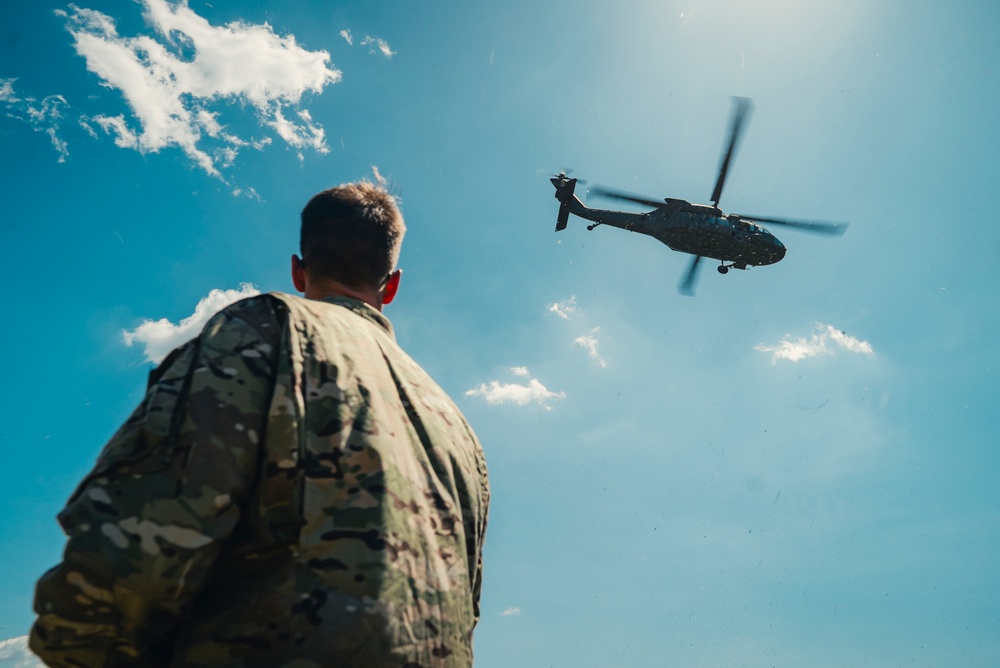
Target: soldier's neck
{"points": [[324, 289]]}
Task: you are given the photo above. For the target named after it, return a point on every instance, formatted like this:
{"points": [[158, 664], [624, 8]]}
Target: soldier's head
{"points": [[350, 243]]}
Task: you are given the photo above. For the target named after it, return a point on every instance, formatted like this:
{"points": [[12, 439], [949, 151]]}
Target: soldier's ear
{"points": [[298, 273], [391, 286]]}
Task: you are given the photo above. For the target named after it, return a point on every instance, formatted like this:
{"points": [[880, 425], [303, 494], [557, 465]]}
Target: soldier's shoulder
{"points": [[283, 303], [260, 302], [260, 311]]}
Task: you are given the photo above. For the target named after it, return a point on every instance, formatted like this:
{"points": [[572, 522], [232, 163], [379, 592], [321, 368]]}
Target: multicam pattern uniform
{"points": [[293, 491]]}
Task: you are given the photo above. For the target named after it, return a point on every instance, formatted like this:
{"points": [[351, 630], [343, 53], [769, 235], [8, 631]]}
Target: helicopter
{"points": [[701, 230]]}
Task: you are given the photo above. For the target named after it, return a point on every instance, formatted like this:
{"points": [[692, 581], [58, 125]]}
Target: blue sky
{"points": [[795, 467]]}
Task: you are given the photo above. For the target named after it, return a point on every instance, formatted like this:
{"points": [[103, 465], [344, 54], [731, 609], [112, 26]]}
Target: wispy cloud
{"points": [[161, 336], [379, 179], [14, 653], [249, 193], [589, 343], [379, 45], [826, 340], [346, 34], [497, 392], [43, 116], [175, 79], [511, 612], [565, 308]]}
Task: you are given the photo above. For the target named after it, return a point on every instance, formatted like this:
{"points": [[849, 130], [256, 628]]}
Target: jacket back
{"points": [[355, 517]]}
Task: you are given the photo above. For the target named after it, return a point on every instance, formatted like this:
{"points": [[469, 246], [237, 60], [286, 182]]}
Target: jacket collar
{"points": [[363, 309]]}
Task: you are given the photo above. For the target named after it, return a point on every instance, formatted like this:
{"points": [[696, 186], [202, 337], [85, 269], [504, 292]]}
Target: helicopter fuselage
{"points": [[697, 229], [700, 230]]}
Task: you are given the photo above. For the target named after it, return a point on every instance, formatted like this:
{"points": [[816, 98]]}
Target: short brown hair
{"points": [[352, 234]]}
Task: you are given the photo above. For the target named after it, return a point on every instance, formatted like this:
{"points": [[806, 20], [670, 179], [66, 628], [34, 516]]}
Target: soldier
{"points": [[293, 490]]}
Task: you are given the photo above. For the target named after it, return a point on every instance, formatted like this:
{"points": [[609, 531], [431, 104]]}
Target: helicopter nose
{"points": [[778, 252]]}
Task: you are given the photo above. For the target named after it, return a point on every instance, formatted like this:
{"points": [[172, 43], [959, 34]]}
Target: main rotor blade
{"points": [[622, 195], [814, 226], [741, 106], [686, 286]]}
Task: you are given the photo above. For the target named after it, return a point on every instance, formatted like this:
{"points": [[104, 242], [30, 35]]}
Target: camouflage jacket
{"points": [[293, 490]]}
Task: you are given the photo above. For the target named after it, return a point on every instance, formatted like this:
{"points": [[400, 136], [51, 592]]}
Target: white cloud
{"points": [[14, 653], [346, 34], [43, 116], [823, 342], [380, 45], [565, 308], [161, 336], [511, 612], [115, 126], [850, 343], [249, 193], [589, 343], [7, 91], [170, 78], [497, 392]]}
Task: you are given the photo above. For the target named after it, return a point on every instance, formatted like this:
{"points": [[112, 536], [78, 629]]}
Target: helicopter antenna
{"points": [[741, 107]]}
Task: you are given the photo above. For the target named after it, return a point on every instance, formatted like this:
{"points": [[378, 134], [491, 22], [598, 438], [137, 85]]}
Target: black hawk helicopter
{"points": [[699, 229]]}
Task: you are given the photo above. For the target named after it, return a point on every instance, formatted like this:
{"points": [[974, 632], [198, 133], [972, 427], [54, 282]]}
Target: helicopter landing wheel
{"points": [[723, 269]]}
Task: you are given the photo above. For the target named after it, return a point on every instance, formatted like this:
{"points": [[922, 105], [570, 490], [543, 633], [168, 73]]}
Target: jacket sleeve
{"points": [[146, 525], [482, 519]]}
